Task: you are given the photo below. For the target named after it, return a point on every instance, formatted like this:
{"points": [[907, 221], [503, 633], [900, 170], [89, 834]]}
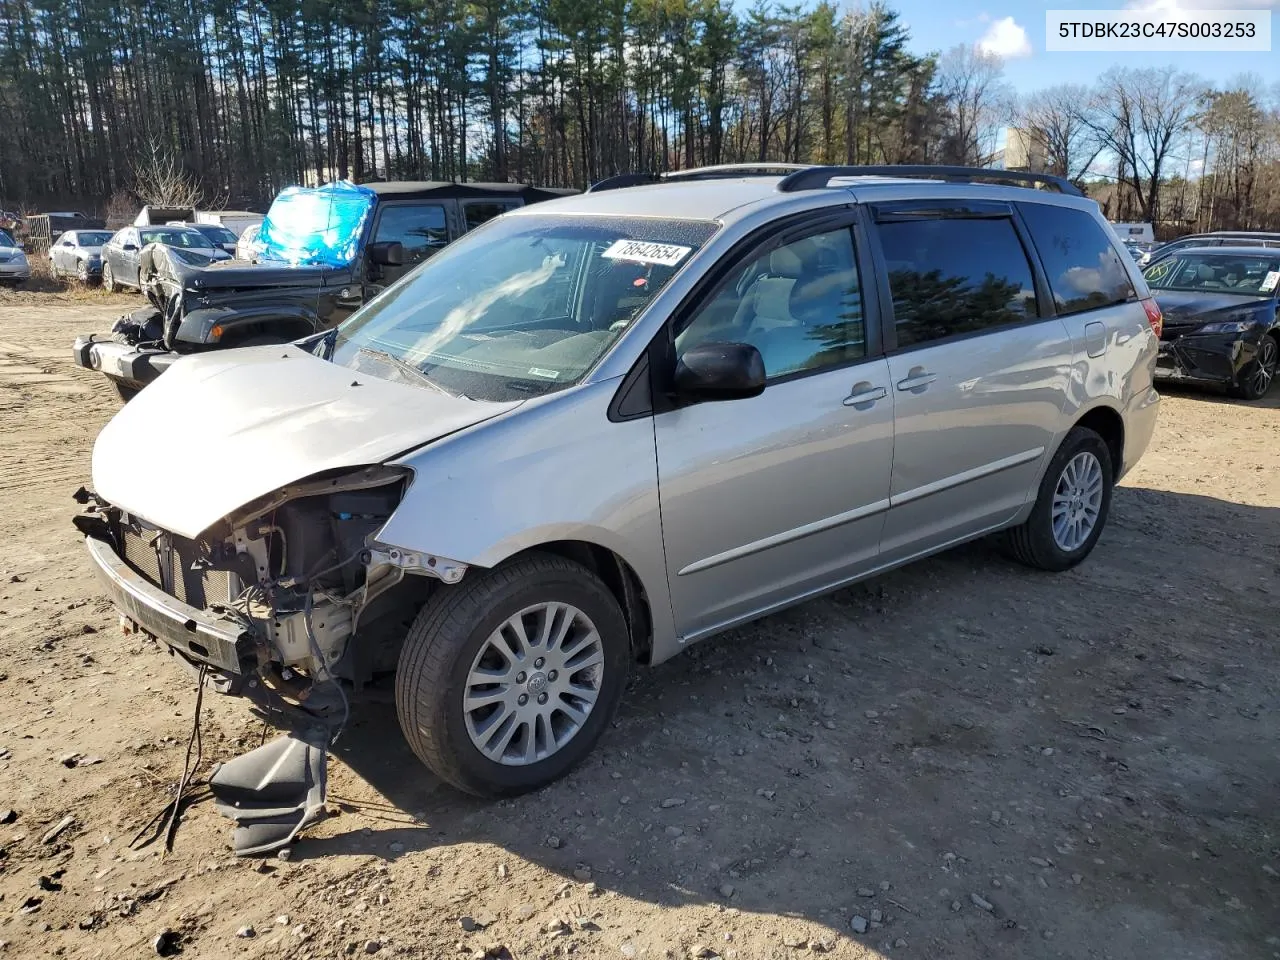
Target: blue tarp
{"points": [[316, 226]]}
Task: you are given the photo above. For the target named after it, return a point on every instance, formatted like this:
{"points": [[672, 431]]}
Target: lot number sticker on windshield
{"points": [[642, 251], [1269, 281]]}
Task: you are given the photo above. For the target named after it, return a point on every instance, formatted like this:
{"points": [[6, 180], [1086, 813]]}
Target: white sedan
{"points": [[78, 253], [14, 267]]}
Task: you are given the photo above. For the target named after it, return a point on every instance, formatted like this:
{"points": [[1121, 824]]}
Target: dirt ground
{"points": [[974, 760]]}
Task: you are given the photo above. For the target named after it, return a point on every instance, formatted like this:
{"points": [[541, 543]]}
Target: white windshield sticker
{"points": [[544, 374], [1269, 281], [641, 251]]}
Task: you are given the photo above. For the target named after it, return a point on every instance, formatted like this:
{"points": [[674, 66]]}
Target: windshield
{"points": [[191, 239], [6, 239], [523, 306], [1217, 272], [218, 234], [317, 227], [93, 238]]}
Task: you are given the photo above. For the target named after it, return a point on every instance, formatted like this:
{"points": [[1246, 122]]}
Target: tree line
{"points": [[247, 96]]}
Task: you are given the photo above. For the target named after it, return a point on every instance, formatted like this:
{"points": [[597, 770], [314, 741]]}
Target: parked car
{"points": [[14, 268], [599, 429], [122, 254], [1219, 238], [1138, 248], [323, 252], [78, 253], [237, 221], [1220, 317], [248, 246], [216, 234]]}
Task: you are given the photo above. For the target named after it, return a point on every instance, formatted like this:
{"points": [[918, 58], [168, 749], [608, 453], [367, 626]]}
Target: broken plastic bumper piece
{"points": [[275, 791]]}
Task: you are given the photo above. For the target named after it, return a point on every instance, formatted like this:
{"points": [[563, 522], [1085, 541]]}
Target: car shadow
{"points": [[973, 750]]}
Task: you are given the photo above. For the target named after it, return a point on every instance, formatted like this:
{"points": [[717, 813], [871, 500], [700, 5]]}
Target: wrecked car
{"points": [[596, 430], [319, 254]]}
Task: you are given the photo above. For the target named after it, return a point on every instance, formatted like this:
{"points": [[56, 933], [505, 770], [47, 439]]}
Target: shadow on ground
{"points": [[1093, 751]]}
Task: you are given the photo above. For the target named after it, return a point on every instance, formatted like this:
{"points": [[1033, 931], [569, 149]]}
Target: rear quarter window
{"points": [[955, 276], [1082, 263]]}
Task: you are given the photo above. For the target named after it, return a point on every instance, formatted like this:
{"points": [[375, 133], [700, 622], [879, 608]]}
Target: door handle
{"points": [[864, 393], [917, 379]]}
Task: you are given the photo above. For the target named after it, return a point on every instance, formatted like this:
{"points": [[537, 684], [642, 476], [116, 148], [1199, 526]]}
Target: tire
{"points": [[109, 278], [262, 340], [1256, 379], [82, 272], [452, 631], [124, 391], [1035, 543]]}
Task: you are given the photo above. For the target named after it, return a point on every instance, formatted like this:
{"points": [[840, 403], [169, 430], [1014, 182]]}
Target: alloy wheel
{"points": [[533, 684], [1265, 371], [1077, 501]]}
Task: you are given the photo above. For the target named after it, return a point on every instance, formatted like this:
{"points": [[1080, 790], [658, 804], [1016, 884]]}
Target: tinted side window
{"points": [[953, 276], [1084, 268], [419, 227], [480, 211], [800, 305]]}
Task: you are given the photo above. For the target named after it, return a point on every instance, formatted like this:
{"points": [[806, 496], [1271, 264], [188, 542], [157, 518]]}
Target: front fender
{"points": [[197, 326], [553, 469]]}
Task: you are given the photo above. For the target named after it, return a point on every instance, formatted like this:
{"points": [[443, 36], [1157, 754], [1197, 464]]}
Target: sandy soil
{"points": [[976, 760]]}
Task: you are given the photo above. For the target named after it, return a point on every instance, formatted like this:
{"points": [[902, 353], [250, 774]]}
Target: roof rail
{"points": [[622, 180], [815, 178], [716, 172], [762, 169]]}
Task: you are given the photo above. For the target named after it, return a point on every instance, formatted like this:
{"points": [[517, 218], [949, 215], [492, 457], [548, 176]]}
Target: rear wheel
{"points": [[1257, 378], [82, 272], [508, 680], [1071, 507], [109, 278]]}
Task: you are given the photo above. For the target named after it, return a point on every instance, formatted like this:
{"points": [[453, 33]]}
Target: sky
{"points": [[1015, 29]]}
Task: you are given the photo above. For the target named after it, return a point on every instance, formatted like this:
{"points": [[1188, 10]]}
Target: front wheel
{"points": [[507, 680], [1257, 378], [109, 278], [1071, 507]]}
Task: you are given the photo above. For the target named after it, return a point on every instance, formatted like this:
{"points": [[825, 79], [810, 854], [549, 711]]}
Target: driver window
{"points": [[800, 305], [419, 227]]}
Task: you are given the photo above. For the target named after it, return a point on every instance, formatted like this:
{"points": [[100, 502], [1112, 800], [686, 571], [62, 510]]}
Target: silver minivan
{"points": [[598, 429]]}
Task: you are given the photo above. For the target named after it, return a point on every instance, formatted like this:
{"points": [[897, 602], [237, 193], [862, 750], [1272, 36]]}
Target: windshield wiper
{"points": [[405, 366]]}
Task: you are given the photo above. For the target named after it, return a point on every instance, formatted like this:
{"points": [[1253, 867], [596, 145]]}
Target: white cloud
{"points": [[1005, 38], [1181, 6]]}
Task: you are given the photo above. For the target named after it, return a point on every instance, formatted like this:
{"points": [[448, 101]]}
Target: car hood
{"points": [[1185, 307], [10, 251], [217, 431], [227, 274], [90, 251]]}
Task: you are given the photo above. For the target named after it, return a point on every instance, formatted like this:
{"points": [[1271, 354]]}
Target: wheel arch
{"points": [[1107, 423], [616, 574]]}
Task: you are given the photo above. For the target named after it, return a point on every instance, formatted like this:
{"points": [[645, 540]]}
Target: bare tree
{"points": [[1240, 137], [977, 101], [1057, 121], [1142, 117], [159, 179]]}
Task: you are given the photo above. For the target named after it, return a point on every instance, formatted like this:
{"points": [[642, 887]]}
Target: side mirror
{"points": [[387, 254], [129, 247], [720, 371]]}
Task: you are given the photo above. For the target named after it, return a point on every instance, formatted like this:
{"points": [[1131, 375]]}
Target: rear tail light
{"points": [[1154, 316]]}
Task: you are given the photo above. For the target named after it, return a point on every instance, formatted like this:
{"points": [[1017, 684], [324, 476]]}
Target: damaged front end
{"points": [[281, 602]]}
